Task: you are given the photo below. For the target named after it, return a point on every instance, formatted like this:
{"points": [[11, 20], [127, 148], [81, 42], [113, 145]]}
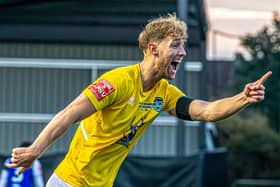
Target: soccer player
{"points": [[117, 108], [30, 178]]}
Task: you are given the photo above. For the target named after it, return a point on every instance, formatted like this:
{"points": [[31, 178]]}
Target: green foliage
{"points": [[264, 48], [253, 147]]}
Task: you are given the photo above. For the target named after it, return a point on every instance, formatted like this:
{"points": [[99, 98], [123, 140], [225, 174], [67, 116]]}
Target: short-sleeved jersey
{"points": [[104, 139]]}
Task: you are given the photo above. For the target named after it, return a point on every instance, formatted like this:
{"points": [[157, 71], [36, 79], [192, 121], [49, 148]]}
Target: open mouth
{"points": [[174, 65]]}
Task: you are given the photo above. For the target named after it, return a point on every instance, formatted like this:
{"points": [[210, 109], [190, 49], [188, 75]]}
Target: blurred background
{"points": [[51, 50]]}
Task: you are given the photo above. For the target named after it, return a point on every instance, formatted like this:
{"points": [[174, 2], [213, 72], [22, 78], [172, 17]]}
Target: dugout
{"points": [[50, 50]]}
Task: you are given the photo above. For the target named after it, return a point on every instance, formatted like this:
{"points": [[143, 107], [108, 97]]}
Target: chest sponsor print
{"points": [[157, 105]]}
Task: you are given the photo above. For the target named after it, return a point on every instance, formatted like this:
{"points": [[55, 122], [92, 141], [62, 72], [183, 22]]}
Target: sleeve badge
{"points": [[101, 89]]}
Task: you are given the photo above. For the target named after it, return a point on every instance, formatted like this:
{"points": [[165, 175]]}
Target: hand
{"points": [[22, 157], [255, 92]]}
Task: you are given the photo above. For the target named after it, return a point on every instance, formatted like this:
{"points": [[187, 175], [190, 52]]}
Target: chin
{"points": [[171, 77]]}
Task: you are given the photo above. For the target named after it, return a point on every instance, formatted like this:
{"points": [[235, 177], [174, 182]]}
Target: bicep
{"points": [[189, 109], [197, 110], [81, 108]]}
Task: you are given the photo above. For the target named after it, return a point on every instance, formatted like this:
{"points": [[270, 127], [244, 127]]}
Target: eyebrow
{"points": [[179, 39]]}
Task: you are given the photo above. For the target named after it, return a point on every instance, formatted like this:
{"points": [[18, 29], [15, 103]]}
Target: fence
{"points": [[34, 89], [256, 183]]}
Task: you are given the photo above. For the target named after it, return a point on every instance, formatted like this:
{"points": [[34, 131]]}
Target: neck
{"points": [[149, 75]]}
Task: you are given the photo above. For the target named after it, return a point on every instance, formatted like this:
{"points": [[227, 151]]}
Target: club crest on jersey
{"points": [[101, 89], [158, 104]]}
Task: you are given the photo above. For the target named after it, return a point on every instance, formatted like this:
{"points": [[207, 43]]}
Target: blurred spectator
{"points": [[31, 178]]}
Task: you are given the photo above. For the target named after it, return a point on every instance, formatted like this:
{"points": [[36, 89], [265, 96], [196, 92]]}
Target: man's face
{"points": [[170, 54]]}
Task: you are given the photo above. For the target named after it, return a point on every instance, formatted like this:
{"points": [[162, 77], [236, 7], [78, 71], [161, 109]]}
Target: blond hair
{"points": [[158, 29]]}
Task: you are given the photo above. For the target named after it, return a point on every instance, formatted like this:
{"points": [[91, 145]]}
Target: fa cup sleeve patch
{"points": [[101, 89]]}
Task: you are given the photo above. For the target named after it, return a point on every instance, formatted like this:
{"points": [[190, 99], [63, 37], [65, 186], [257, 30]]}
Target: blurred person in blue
{"points": [[33, 177]]}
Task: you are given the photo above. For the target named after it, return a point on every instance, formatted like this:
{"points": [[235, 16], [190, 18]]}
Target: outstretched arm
{"points": [[79, 109], [213, 111]]}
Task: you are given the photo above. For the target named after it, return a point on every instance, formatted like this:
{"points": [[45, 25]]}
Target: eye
{"points": [[175, 45]]}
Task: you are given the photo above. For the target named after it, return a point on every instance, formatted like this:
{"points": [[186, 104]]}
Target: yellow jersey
{"points": [[104, 139]]}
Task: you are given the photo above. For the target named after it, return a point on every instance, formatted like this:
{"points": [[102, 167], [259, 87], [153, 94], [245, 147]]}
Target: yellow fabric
{"points": [[103, 140]]}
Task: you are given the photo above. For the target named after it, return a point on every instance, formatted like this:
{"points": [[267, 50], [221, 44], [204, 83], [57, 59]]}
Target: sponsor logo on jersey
{"points": [[127, 138], [157, 105], [101, 89]]}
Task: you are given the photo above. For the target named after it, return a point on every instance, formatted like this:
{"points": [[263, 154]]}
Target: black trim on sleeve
{"points": [[182, 108]]}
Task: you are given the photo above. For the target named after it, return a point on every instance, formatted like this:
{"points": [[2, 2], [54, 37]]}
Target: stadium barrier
{"points": [[256, 183], [204, 169]]}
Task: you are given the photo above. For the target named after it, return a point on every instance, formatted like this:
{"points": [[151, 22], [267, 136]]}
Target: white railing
{"points": [[45, 118], [79, 64], [163, 124], [256, 182]]}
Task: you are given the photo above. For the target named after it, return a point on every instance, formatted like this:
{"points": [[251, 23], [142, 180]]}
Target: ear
{"points": [[153, 48]]}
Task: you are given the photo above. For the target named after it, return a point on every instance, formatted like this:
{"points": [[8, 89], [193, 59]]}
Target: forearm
{"points": [[55, 128], [79, 109], [220, 109]]}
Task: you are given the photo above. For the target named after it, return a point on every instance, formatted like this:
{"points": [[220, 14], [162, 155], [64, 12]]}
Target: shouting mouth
{"points": [[173, 66]]}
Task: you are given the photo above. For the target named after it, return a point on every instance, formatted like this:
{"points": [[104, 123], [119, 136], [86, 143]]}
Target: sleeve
{"points": [[172, 95], [106, 90], [4, 174], [37, 174], [3, 179]]}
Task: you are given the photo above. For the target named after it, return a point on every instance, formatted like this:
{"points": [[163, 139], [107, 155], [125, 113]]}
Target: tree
{"points": [[264, 48], [253, 147]]}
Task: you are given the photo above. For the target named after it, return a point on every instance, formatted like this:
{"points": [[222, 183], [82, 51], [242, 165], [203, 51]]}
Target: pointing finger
{"points": [[264, 77]]}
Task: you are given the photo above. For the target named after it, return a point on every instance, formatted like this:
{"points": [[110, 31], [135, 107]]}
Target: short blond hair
{"points": [[160, 28]]}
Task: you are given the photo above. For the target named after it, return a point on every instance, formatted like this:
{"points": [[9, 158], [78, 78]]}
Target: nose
{"points": [[182, 51]]}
